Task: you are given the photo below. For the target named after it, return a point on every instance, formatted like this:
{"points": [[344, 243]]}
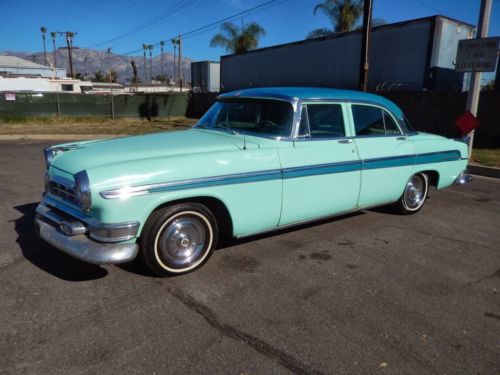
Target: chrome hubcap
{"points": [[414, 192], [183, 241]]}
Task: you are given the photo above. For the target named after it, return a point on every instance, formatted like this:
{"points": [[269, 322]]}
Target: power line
{"points": [[169, 12], [210, 25]]}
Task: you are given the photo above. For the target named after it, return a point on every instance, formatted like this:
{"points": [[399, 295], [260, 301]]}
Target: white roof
{"points": [[16, 62]]}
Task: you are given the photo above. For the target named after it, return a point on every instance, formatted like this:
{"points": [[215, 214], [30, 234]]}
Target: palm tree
{"points": [[53, 35], [150, 47], [144, 48], [342, 13], [238, 39], [162, 44], [43, 29]]}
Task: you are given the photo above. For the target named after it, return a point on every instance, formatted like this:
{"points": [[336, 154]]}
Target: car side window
{"points": [[390, 125], [304, 123], [326, 120], [369, 120]]}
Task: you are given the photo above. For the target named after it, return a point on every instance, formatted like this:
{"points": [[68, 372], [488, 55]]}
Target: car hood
{"points": [[80, 156]]}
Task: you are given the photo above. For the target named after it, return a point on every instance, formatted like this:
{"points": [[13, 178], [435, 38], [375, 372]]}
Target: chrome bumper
{"points": [[83, 248], [84, 238], [463, 179]]}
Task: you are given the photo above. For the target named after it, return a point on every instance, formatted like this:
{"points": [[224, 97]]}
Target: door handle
{"points": [[344, 141], [403, 138]]}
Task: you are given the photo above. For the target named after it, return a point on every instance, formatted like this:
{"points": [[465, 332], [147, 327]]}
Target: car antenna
{"points": [[244, 141]]}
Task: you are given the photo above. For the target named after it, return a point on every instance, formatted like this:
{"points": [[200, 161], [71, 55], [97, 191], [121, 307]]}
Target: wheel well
{"points": [[218, 208], [433, 177]]}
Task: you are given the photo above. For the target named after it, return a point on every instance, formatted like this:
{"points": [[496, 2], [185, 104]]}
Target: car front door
{"points": [[387, 155], [321, 170]]}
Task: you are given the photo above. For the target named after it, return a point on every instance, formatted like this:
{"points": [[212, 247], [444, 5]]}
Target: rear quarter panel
{"points": [[445, 156]]}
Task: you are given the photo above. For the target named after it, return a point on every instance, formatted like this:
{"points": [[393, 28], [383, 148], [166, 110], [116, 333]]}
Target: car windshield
{"points": [[263, 117]]}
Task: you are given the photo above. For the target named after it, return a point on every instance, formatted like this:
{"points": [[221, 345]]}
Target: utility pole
{"points": [[145, 47], [365, 45], [180, 63], [150, 63], [162, 44], [174, 42], [111, 84], [475, 79], [69, 41]]}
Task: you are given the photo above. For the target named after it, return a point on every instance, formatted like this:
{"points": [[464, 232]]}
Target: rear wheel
{"points": [[178, 239], [414, 195]]}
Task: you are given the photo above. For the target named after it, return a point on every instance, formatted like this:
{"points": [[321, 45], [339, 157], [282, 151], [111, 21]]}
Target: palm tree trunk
{"points": [[68, 41], [55, 59], [44, 50]]}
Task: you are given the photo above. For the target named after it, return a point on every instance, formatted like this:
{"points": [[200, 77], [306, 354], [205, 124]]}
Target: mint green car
{"points": [[257, 161]]}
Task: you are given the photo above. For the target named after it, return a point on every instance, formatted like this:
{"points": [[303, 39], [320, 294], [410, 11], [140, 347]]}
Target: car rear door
{"points": [[387, 155], [321, 171]]}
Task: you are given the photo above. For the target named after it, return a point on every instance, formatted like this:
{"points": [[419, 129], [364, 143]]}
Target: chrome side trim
{"points": [[196, 182], [285, 173]]}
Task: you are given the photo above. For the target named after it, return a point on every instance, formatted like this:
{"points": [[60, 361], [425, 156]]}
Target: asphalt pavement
{"points": [[371, 292]]}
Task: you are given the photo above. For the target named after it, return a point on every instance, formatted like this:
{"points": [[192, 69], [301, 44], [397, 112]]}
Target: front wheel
{"points": [[414, 195], [178, 239]]}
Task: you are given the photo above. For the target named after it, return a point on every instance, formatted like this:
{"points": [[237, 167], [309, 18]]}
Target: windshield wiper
{"points": [[226, 128]]}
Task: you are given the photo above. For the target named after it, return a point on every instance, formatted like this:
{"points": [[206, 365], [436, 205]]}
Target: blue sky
{"points": [[98, 21]]}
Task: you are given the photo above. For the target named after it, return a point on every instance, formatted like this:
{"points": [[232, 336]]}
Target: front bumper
{"points": [[83, 238]]}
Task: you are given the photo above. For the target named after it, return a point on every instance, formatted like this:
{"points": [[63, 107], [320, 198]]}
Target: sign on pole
{"points": [[477, 55]]}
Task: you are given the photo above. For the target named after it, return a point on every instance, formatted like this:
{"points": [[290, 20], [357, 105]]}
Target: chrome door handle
{"points": [[345, 141], [402, 138]]}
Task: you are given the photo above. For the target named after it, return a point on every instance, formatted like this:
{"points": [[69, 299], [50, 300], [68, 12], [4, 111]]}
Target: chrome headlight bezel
{"points": [[82, 190], [49, 154]]}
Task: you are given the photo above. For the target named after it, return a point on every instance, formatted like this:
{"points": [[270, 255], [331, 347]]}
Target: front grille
{"points": [[63, 191]]}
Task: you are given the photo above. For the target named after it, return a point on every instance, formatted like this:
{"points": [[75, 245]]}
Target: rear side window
{"points": [[373, 121], [325, 120]]}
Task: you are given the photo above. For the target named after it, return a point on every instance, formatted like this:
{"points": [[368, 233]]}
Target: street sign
{"points": [[477, 55]]}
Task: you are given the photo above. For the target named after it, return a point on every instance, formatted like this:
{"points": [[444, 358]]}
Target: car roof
{"points": [[313, 93]]}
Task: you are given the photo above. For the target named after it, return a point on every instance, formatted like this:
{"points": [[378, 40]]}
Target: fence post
{"points": [[58, 104]]}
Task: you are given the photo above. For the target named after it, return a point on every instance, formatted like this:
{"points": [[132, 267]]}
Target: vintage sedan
{"points": [[257, 161]]}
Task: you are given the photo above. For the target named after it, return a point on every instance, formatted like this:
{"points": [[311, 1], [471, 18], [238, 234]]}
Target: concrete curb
{"points": [[481, 170], [57, 137]]}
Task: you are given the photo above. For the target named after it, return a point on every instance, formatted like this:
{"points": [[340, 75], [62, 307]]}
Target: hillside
{"points": [[90, 61]]}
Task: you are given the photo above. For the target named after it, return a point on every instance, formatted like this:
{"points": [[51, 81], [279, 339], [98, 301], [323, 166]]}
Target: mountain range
{"points": [[90, 61]]}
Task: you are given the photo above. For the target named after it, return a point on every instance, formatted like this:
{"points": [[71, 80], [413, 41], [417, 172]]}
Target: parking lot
{"points": [[365, 293]]}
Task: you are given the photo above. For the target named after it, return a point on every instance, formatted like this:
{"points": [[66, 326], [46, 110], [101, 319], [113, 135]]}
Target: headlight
{"points": [[83, 190], [49, 154]]}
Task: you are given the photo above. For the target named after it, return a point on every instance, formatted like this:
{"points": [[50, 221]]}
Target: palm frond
{"points": [[319, 33]]}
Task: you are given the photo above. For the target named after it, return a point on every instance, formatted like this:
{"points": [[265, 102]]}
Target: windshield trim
{"points": [[293, 102]]}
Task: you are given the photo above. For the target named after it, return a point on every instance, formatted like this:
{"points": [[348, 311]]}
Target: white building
{"points": [[12, 66]]}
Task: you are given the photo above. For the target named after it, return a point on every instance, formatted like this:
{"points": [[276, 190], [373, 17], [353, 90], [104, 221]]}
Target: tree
{"points": [[99, 76], [43, 29], [53, 35], [342, 13], [162, 78], [114, 76], [162, 44], [238, 39]]}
